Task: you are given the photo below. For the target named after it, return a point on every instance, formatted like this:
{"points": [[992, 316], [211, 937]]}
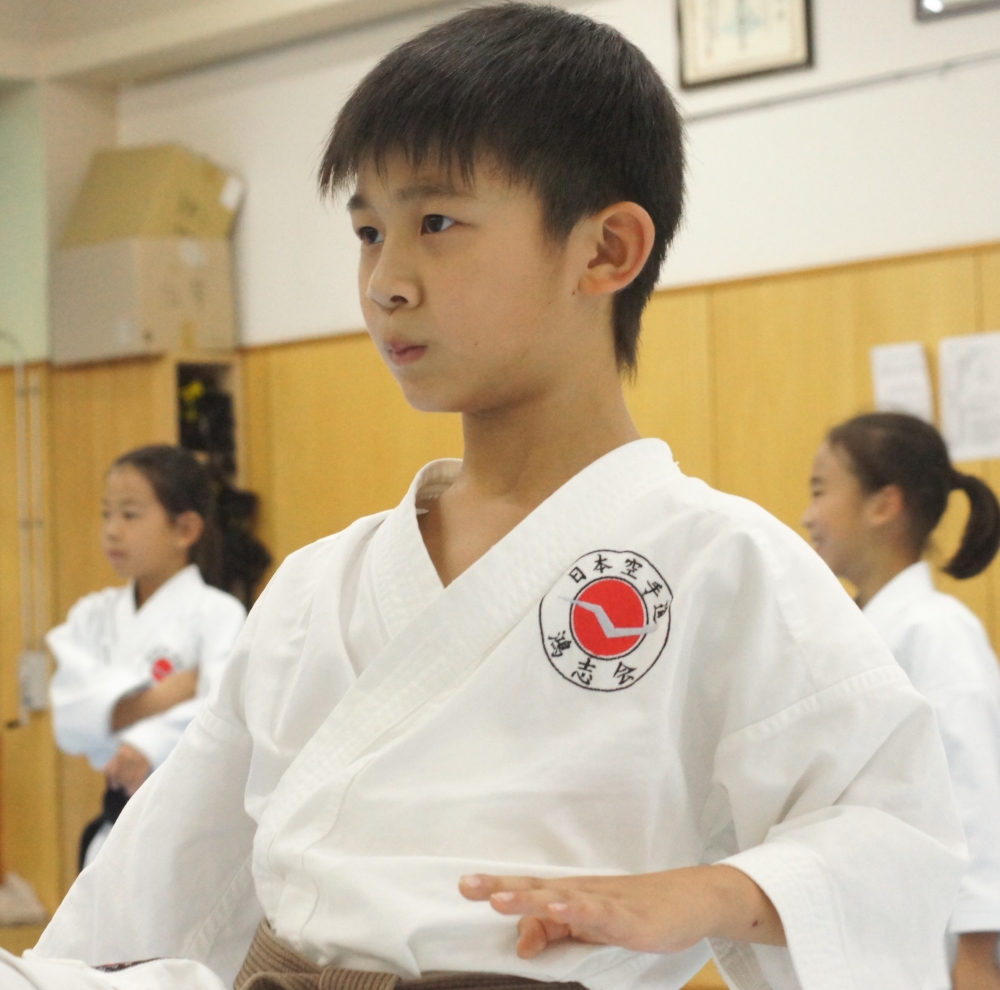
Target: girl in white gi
{"points": [[641, 718], [135, 663], [880, 484]]}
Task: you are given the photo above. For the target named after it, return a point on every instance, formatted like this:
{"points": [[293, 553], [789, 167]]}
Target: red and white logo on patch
{"points": [[606, 621], [162, 667]]}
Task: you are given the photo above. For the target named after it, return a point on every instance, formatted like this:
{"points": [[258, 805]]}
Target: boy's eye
{"points": [[369, 235], [435, 223]]}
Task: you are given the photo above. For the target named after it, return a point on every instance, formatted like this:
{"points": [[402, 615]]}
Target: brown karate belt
{"points": [[272, 964]]}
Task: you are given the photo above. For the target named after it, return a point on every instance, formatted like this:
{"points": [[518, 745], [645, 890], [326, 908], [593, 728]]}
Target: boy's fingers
{"points": [[536, 934], [592, 918], [479, 886], [534, 902]]}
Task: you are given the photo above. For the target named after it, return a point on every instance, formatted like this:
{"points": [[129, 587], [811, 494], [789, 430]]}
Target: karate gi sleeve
{"points": [[174, 878], [155, 737], [841, 808], [84, 689], [964, 696], [829, 784]]}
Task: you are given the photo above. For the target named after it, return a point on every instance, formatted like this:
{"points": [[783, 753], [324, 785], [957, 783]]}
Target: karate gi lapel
{"points": [[135, 626], [449, 638]]}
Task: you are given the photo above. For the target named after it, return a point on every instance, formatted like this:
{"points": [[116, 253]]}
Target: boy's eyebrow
{"points": [[409, 193]]}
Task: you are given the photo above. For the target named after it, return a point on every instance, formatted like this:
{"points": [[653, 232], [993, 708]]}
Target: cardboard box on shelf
{"points": [[141, 295], [153, 191]]}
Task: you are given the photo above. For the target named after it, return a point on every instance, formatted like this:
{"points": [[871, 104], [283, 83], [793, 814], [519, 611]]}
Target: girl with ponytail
{"points": [[880, 485], [135, 663]]}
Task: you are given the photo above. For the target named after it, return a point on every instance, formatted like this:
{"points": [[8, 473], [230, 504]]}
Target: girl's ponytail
{"points": [[981, 538], [207, 553], [888, 448]]}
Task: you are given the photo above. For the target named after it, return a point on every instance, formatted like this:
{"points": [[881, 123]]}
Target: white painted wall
{"points": [[23, 225], [832, 174]]}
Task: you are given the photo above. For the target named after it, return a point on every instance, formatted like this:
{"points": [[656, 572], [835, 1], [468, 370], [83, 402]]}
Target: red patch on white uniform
{"points": [[606, 621], [622, 604], [162, 667]]}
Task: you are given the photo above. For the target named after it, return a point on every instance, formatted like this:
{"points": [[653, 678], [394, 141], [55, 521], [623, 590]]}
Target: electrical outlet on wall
{"points": [[33, 675]]}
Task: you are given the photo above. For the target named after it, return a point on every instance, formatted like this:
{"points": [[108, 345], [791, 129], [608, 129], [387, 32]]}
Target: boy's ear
{"points": [[619, 240]]}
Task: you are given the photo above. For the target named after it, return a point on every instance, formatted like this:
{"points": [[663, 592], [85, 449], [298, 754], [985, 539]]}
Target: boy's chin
{"points": [[430, 396], [121, 568]]}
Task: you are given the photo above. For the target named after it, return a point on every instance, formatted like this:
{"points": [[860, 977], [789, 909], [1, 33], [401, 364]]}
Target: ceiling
{"points": [[38, 21], [116, 42]]}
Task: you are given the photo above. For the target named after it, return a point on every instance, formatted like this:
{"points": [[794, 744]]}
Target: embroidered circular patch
{"points": [[162, 667], [606, 621]]}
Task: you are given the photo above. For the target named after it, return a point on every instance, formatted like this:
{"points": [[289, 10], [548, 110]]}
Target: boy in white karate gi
{"points": [[640, 719]]}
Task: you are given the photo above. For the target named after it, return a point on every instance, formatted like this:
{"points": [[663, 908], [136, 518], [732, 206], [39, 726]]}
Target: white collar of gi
{"points": [[185, 575], [457, 629], [914, 581], [432, 481], [406, 578]]}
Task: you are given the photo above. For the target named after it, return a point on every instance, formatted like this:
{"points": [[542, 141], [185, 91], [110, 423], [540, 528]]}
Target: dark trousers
{"points": [[115, 800]]}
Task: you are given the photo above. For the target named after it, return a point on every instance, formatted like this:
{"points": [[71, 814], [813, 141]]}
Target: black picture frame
{"points": [[935, 10], [695, 73]]}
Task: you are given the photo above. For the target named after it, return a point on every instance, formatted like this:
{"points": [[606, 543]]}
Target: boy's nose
{"points": [[390, 285], [394, 301]]}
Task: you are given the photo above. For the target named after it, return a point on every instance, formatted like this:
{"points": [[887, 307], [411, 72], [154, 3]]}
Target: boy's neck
{"points": [[523, 453], [515, 458]]}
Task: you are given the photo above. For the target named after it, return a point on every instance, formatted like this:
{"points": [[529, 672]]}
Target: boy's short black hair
{"points": [[560, 102]]}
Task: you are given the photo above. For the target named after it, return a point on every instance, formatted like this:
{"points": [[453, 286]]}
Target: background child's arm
{"points": [[128, 769], [154, 720], [85, 688], [145, 744], [976, 966], [172, 690], [651, 912]]}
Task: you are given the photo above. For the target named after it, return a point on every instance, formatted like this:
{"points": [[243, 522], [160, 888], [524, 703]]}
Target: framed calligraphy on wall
{"points": [[723, 40]]}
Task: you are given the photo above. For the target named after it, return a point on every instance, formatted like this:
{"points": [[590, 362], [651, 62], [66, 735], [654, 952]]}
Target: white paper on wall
{"points": [[901, 380], [970, 395]]}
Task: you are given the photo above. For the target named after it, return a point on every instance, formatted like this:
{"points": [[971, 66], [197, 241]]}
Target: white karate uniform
{"points": [[945, 651], [644, 674], [107, 649]]}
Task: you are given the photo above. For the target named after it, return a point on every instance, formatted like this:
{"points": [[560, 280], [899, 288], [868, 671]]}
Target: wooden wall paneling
{"points": [[913, 299], [989, 320], [925, 299], [672, 395], [989, 288], [10, 582], [338, 440], [784, 373], [258, 475], [28, 764], [99, 412]]}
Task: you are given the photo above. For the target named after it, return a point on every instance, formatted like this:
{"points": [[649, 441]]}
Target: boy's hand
{"points": [[647, 912], [976, 966], [172, 690], [127, 769]]}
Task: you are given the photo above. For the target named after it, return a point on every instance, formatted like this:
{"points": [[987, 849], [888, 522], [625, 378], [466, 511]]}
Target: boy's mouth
{"points": [[401, 352]]}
